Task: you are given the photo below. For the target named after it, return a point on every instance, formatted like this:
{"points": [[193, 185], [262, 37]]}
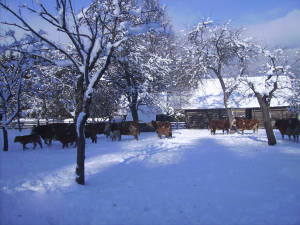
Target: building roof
{"points": [[210, 95]]}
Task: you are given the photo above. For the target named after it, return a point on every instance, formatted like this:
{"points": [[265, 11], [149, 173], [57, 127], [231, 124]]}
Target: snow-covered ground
{"points": [[193, 178]]}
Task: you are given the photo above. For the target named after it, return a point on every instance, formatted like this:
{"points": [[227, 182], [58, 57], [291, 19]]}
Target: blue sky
{"points": [[240, 11], [273, 22]]}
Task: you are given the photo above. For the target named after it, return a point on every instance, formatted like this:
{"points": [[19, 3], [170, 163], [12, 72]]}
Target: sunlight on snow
{"points": [[252, 145], [60, 179], [150, 152]]}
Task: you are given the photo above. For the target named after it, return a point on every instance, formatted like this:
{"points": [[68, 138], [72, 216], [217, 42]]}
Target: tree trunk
{"points": [[267, 120], [19, 124], [225, 92], [134, 112], [80, 179], [133, 102], [229, 113], [80, 125], [5, 139]]}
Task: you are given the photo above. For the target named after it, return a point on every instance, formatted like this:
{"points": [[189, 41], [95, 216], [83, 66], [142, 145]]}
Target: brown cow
{"points": [[246, 124], [219, 125], [162, 128]]}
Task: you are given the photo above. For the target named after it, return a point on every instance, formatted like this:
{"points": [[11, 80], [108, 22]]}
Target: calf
{"points": [[219, 125], [32, 138], [126, 128], [115, 135], [133, 129], [107, 129], [162, 128]]}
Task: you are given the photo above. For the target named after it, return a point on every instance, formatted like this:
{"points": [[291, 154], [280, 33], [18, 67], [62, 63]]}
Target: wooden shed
{"points": [[207, 102], [199, 118]]}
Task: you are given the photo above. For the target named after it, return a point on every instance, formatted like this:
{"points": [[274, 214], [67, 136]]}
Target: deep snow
{"points": [[193, 178]]}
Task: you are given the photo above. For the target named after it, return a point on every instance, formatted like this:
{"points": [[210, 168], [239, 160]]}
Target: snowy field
{"points": [[193, 178]]}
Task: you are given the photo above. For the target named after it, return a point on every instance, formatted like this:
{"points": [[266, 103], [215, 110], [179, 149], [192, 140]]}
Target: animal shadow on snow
{"points": [[251, 137]]}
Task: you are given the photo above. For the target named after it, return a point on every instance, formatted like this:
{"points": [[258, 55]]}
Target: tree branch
{"points": [[50, 43]]}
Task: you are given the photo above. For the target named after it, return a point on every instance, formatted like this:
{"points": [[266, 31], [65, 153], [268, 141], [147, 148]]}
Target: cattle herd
{"points": [[289, 127], [66, 133], [239, 124]]}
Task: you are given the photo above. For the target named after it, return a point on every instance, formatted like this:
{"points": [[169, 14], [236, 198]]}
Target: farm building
{"points": [[199, 118], [207, 103]]}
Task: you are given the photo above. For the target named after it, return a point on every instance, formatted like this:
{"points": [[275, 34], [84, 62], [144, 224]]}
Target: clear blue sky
{"points": [[275, 22], [240, 11], [187, 12]]}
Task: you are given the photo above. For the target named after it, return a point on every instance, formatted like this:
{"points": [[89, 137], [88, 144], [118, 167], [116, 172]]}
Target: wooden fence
{"points": [[30, 123]]}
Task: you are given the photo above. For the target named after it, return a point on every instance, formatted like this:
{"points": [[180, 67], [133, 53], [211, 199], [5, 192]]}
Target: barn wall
{"points": [[199, 118], [276, 113]]}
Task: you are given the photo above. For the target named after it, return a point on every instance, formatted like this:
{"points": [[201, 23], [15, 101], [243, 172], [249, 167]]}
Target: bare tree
{"points": [[16, 65], [295, 66], [217, 50], [274, 71]]}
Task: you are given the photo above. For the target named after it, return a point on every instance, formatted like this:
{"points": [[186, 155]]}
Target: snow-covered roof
{"points": [[210, 95], [146, 114]]}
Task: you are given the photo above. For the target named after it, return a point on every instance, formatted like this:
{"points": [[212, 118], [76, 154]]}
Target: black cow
{"points": [[45, 131], [91, 132], [289, 127], [65, 133], [32, 138]]}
